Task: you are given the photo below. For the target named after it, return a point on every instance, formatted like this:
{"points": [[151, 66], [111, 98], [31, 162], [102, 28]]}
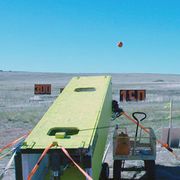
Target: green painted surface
{"points": [[85, 103], [104, 120], [70, 173]]}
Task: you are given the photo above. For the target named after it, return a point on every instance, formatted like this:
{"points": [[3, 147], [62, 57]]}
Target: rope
{"points": [[80, 169], [15, 148], [147, 131], [6, 154], [13, 142], [7, 166], [33, 171]]}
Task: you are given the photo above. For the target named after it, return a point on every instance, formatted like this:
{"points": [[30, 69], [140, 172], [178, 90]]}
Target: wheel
{"points": [[117, 169], [150, 169], [104, 172]]}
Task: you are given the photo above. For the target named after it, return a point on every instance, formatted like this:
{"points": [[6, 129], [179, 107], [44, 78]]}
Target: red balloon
{"points": [[120, 44]]}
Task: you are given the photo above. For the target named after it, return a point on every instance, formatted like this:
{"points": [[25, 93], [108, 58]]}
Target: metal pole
{"points": [[170, 122]]}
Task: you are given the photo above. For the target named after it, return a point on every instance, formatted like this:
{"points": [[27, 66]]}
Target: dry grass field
{"points": [[20, 110]]}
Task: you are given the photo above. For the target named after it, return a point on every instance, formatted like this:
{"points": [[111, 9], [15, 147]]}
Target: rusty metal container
{"points": [[122, 146]]}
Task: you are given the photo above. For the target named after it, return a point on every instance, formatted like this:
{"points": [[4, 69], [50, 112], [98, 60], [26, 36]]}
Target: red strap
{"points": [[13, 142], [80, 169], [33, 171], [9, 152], [39, 161]]}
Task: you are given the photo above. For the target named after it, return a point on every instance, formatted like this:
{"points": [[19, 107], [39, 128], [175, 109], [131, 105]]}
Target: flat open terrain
{"points": [[20, 110]]}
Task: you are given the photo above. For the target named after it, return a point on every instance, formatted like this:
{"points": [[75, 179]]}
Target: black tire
{"points": [[117, 169], [104, 172], [150, 169]]}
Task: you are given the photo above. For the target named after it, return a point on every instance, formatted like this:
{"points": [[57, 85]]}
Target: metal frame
{"points": [[143, 151]]}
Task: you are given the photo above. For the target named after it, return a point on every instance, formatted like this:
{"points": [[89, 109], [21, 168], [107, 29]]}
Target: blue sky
{"points": [[82, 36]]}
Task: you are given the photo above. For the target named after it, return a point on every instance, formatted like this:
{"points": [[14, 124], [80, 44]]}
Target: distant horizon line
{"points": [[17, 71]]}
